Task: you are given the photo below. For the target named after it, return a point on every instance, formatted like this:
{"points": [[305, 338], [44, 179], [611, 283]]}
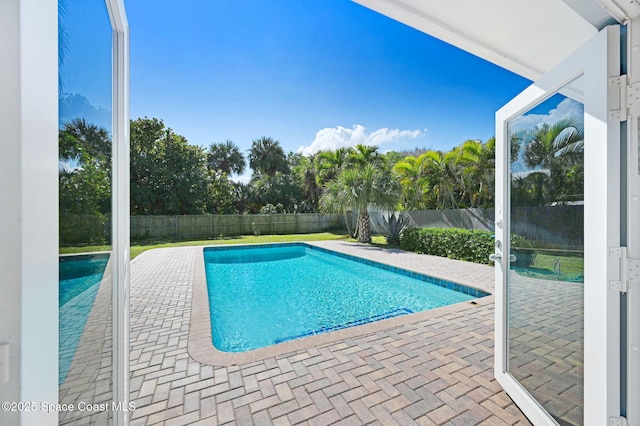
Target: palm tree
{"points": [[328, 164], [412, 178], [563, 140], [267, 156], [303, 171], [84, 152], [555, 147], [82, 141], [226, 157], [361, 188], [442, 178], [363, 154], [477, 175], [331, 202]]}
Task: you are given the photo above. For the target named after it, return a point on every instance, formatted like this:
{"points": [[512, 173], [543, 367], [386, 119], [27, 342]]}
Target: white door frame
{"points": [[120, 208], [633, 228], [597, 60]]}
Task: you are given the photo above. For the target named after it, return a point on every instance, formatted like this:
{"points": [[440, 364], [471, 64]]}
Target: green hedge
{"points": [[454, 243], [83, 229]]}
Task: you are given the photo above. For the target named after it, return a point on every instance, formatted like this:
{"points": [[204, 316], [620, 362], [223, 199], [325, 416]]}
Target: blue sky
{"points": [[312, 74]]}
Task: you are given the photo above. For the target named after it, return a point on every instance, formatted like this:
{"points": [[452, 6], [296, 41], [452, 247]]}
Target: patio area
{"points": [[429, 368]]}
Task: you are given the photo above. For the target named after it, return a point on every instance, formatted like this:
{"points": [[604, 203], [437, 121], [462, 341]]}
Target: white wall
{"points": [[10, 202], [29, 207]]}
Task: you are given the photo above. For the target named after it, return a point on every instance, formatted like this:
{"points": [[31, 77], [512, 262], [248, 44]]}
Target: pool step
{"points": [[391, 314]]}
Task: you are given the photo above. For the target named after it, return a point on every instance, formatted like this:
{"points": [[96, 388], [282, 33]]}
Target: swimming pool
{"points": [[267, 294], [79, 279]]}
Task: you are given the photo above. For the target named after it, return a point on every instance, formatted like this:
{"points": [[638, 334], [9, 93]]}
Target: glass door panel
{"points": [[545, 315], [85, 289], [557, 218]]}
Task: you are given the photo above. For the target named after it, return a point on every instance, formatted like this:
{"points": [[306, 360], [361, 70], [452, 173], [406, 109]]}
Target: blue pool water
{"points": [[79, 279], [263, 295], [78, 273]]}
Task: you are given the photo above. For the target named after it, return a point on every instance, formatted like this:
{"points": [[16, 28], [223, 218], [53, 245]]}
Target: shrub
{"points": [[522, 249], [271, 209], [395, 226], [82, 229], [463, 244], [454, 243]]}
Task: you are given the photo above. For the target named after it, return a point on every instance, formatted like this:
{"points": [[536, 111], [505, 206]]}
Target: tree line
{"points": [[169, 176]]}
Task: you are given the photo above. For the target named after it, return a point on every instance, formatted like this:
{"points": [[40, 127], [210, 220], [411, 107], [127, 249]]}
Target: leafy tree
{"points": [[304, 175], [226, 157], [84, 152], [221, 193], [168, 176], [361, 188], [241, 198], [391, 158], [85, 190], [460, 178], [531, 189], [278, 189], [267, 157]]}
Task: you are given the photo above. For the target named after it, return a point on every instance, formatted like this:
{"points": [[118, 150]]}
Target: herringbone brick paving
{"points": [[546, 346], [431, 372]]}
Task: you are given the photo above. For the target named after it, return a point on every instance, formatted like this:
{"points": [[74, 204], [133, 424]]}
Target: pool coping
{"points": [[200, 343], [87, 254]]}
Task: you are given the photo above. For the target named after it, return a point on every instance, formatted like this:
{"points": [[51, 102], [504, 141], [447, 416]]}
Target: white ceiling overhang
{"points": [[528, 37]]}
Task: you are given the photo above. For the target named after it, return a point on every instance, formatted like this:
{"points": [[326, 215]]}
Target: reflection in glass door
{"points": [[557, 218], [545, 318], [85, 199]]}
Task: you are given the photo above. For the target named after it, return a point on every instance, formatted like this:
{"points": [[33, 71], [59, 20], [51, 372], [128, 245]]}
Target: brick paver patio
{"points": [[430, 368], [547, 343]]}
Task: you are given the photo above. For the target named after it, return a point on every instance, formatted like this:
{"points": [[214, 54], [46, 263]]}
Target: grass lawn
{"points": [[377, 240], [137, 248], [544, 267]]}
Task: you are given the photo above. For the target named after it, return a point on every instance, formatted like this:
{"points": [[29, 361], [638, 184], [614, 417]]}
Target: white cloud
{"points": [[332, 138], [567, 108], [244, 178], [68, 166]]}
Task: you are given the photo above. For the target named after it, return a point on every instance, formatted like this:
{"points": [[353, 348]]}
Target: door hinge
{"points": [[622, 98], [633, 96], [620, 286], [629, 270], [617, 421], [617, 99]]}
